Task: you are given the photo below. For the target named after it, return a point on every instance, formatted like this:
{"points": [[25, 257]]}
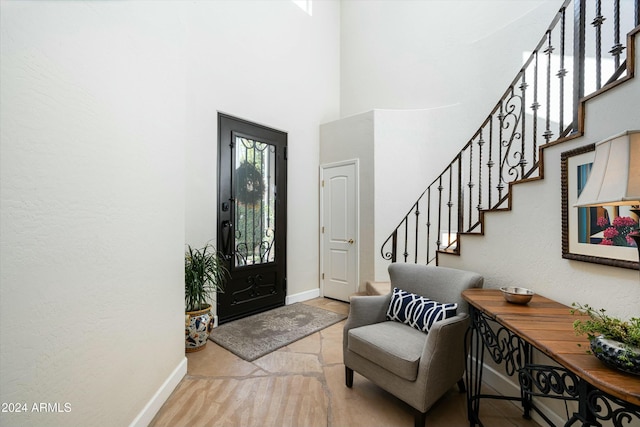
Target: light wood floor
{"points": [[303, 385]]}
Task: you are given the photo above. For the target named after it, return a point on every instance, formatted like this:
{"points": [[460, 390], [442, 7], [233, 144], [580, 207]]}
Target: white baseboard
{"points": [[153, 406], [302, 296], [506, 387]]}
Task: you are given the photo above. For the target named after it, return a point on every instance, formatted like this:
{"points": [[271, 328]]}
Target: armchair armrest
{"points": [[366, 310], [444, 347]]}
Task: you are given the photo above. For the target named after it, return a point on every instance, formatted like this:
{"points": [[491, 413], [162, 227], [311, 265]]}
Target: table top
{"points": [[548, 326]]}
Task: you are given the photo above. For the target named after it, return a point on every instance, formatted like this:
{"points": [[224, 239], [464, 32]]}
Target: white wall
{"points": [[109, 151], [431, 54], [92, 208], [410, 152], [353, 138], [270, 63]]}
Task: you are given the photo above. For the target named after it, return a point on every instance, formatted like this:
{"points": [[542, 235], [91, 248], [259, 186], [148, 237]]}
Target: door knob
{"points": [[351, 241]]}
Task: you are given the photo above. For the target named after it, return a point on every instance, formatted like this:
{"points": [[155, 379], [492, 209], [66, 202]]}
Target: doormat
{"points": [[254, 336]]}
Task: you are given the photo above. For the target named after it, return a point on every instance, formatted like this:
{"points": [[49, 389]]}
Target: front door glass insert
{"points": [[255, 168]]}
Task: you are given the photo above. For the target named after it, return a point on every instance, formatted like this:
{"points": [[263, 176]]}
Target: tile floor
{"points": [[303, 385]]}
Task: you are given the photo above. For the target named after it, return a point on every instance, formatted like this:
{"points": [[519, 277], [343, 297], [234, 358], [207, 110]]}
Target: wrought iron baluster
{"points": [[500, 186], [512, 161], [579, 7], [480, 144], [470, 185], [395, 246], [535, 104], [440, 188], [597, 23], [417, 214], [406, 237], [460, 202], [428, 222], [562, 72], [450, 204], [523, 115], [548, 51], [490, 163], [617, 48]]}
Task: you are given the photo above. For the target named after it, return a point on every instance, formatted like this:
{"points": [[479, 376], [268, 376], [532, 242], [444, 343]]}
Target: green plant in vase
{"points": [[204, 275], [614, 341]]}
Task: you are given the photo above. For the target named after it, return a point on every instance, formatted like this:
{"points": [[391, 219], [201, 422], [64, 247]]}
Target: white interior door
{"points": [[339, 230]]}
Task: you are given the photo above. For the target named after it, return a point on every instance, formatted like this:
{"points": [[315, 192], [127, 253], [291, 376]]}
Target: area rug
{"points": [[255, 336]]}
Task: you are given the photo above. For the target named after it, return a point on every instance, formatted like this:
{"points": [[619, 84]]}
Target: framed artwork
{"points": [[593, 234]]}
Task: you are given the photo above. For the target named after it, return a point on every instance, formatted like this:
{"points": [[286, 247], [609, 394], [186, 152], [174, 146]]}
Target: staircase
{"points": [[584, 51]]}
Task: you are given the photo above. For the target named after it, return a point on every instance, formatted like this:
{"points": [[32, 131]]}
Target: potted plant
{"points": [[204, 275], [614, 341]]}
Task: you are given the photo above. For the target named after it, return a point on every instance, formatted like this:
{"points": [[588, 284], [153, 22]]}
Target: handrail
{"points": [[531, 113]]}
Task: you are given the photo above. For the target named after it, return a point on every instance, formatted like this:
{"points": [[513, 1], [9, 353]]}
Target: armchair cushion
{"points": [[389, 344], [417, 311]]}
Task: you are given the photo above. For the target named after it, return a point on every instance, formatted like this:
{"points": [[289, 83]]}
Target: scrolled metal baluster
{"points": [[511, 116], [390, 255]]}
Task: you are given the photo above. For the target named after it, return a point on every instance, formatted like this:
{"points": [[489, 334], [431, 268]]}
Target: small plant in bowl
{"points": [[614, 341]]}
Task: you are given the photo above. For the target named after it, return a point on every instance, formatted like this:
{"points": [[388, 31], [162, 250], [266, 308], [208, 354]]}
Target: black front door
{"points": [[252, 216]]}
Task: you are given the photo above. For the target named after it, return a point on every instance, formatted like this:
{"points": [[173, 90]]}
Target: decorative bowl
{"points": [[517, 295], [616, 354]]}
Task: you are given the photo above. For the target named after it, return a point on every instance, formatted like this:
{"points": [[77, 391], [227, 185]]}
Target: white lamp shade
{"points": [[615, 174]]}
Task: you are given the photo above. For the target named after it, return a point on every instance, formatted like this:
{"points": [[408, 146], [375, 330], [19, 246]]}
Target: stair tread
{"points": [[378, 288]]}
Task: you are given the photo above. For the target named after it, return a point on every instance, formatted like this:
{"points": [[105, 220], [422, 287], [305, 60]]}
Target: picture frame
{"points": [[583, 229]]}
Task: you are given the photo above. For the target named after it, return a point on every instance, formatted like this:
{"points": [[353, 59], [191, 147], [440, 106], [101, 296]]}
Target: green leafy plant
{"points": [[204, 275], [599, 323]]}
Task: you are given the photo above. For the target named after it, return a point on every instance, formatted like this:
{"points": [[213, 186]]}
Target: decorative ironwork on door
{"points": [[255, 202]]}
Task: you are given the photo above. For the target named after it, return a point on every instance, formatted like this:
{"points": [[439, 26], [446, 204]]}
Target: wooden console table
{"points": [[509, 332]]}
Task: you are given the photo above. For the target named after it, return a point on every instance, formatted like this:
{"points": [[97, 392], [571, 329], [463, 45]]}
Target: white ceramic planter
{"points": [[197, 327]]}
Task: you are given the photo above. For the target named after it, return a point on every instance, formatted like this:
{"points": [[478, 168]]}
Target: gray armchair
{"points": [[417, 368]]}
